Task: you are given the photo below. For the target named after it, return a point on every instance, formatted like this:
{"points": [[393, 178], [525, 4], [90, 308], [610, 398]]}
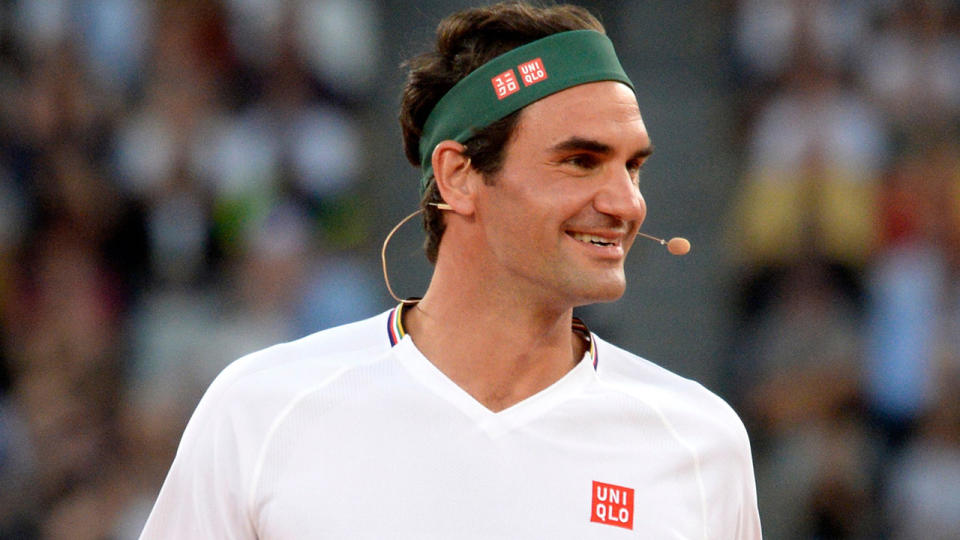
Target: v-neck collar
{"points": [[493, 423], [396, 332]]}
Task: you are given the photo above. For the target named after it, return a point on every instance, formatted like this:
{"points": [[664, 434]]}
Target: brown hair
{"points": [[465, 41]]}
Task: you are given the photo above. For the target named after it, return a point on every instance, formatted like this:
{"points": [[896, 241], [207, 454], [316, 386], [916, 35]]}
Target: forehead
{"points": [[605, 111]]}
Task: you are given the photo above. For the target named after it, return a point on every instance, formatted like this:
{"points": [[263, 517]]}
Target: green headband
{"points": [[514, 80]]}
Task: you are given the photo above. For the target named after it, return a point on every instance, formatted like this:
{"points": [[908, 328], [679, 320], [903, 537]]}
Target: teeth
{"points": [[591, 239]]}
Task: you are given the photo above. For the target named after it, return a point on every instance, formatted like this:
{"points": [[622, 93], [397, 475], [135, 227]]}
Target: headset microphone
{"points": [[383, 250], [676, 246]]}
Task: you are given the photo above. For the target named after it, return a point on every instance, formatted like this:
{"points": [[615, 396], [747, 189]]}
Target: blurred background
{"points": [[184, 182]]}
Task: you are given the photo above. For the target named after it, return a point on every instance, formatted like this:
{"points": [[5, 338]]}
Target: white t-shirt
{"points": [[344, 435]]}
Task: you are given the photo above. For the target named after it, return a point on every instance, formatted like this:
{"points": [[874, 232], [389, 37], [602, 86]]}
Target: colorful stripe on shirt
{"points": [[580, 327], [395, 331]]}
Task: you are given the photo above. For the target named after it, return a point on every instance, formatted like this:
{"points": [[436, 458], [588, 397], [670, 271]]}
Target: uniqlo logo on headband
{"points": [[532, 72], [612, 505], [505, 84]]}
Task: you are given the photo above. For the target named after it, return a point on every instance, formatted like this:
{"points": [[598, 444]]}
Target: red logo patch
{"points": [[532, 72], [505, 84], [612, 505]]}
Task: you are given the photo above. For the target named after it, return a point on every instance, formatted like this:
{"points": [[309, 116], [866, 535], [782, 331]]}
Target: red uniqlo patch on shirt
{"points": [[612, 505], [532, 72], [505, 84]]}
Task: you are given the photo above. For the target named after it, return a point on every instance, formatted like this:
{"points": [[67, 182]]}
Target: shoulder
{"points": [[211, 484], [684, 403], [254, 392], [308, 360], [255, 388]]}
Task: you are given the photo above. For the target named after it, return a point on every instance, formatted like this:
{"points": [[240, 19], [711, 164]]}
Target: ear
{"points": [[454, 176]]}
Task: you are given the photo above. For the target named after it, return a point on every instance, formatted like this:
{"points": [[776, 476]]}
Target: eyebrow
{"points": [[591, 145]]}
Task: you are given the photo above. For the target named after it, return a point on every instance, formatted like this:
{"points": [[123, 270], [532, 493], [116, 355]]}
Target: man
{"points": [[484, 410]]}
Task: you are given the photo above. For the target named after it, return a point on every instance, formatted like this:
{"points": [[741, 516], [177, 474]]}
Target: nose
{"points": [[620, 197]]}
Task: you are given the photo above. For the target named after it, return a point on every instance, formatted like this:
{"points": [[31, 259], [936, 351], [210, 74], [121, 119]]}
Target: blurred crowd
{"points": [[178, 186], [845, 351], [183, 182]]}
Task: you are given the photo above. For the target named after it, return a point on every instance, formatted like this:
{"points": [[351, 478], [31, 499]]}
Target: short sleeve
{"points": [[205, 492]]}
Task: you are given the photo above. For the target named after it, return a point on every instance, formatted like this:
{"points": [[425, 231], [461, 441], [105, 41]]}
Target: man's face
{"points": [[564, 209]]}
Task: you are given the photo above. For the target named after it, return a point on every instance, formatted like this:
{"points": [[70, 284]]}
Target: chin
{"points": [[597, 293], [611, 296]]}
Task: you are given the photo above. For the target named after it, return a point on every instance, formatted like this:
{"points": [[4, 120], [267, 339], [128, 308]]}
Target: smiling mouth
{"points": [[592, 239]]}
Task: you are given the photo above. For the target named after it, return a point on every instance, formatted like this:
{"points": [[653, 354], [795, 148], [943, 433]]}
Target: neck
{"points": [[496, 345]]}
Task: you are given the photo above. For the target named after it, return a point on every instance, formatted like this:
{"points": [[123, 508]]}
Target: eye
{"points": [[635, 167], [582, 161]]}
